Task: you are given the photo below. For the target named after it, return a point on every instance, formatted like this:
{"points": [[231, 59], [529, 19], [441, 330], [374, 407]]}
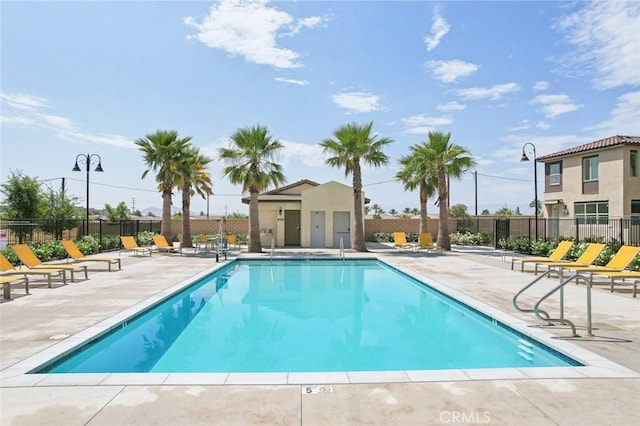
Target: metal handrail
{"points": [[578, 276], [273, 248], [515, 298], [341, 248]]}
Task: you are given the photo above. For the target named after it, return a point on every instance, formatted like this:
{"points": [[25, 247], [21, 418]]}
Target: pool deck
{"points": [[37, 326]]}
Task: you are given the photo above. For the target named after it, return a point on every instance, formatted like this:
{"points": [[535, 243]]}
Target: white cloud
{"points": [[439, 28], [27, 114], [451, 71], [493, 93], [540, 86], [542, 125], [422, 124], [555, 105], [292, 81], [605, 35], [524, 125], [249, 29], [23, 101], [356, 102], [451, 106], [295, 152], [624, 117]]}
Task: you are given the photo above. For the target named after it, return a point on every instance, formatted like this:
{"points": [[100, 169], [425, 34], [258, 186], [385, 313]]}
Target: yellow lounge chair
{"points": [[75, 254], [7, 269], [589, 256], [163, 246], [623, 258], [625, 275], [400, 241], [31, 261], [556, 256], [425, 241], [8, 281], [129, 245], [232, 241], [203, 243]]}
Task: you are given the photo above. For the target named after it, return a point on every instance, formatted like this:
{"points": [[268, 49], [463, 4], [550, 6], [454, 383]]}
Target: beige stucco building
{"points": [[307, 214], [593, 182]]}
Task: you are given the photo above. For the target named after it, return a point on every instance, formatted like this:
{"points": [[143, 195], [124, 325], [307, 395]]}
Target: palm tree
{"points": [[249, 162], [192, 178], [354, 143], [163, 152], [417, 172], [448, 160], [393, 212]]}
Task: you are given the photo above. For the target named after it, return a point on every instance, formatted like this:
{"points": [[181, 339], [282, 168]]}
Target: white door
{"points": [[341, 229], [317, 229], [555, 220]]}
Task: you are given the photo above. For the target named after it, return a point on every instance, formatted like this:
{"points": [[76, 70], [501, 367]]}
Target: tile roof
{"points": [[593, 146]]}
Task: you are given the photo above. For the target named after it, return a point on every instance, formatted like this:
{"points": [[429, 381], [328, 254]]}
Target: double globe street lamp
{"points": [[88, 159], [535, 177]]}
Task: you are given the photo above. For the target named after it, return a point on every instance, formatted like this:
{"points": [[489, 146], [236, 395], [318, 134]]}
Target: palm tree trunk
{"points": [[358, 236], [423, 210], [443, 226], [165, 228], [255, 246], [186, 241]]}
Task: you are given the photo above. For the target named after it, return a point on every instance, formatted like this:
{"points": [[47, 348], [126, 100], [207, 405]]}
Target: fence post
{"points": [[621, 231], [577, 230], [99, 235]]}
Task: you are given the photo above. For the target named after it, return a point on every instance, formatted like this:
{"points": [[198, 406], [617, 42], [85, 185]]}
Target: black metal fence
{"points": [[25, 231], [617, 230]]}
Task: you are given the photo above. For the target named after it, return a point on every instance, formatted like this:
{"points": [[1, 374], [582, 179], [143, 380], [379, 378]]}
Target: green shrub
{"points": [[145, 238], [383, 237]]}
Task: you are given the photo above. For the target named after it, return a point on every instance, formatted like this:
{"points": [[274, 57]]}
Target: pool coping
{"points": [[595, 366]]}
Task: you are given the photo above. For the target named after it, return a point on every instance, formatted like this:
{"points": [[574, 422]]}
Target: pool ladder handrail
{"points": [[543, 315], [273, 248], [341, 248]]}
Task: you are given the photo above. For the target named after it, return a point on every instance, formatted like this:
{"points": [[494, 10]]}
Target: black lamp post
{"points": [[535, 178], [87, 159]]}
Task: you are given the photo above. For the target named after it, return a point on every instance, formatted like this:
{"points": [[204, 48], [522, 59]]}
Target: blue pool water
{"points": [[309, 315]]}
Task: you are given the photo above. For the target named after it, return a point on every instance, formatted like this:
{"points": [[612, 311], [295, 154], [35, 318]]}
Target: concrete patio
{"points": [[607, 391]]}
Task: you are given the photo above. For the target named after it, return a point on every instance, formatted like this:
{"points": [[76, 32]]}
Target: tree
{"points": [[118, 213], [56, 212], [449, 160], [417, 172], [485, 212], [517, 211], [504, 211], [21, 201], [249, 163], [354, 143], [21, 196], [393, 212], [459, 211], [192, 178], [406, 211], [415, 211], [533, 204], [162, 153], [377, 209]]}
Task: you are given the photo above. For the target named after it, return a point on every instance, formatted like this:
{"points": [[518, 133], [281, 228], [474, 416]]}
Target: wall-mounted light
{"points": [[280, 211]]}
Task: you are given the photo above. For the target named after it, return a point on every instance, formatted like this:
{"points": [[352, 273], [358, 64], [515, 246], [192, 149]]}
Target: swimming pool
{"points": [[303, 316]]}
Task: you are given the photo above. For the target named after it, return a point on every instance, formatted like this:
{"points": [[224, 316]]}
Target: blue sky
{"points": [[91, 77]]}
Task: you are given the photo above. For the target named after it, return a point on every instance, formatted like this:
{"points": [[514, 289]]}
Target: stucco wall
{"points": [[615, 184], [330, 197]]}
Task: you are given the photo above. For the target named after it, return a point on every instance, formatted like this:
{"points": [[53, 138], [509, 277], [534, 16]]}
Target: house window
{"points": [[635, 208], [554, 174], [634, 163], [592, 212], [590, 169]]}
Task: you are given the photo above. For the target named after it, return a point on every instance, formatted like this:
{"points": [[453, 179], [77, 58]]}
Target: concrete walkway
{"points": [[606, 392]]}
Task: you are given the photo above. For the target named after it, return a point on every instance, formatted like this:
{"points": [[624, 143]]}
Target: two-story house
{"points": [[593, 182]]}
